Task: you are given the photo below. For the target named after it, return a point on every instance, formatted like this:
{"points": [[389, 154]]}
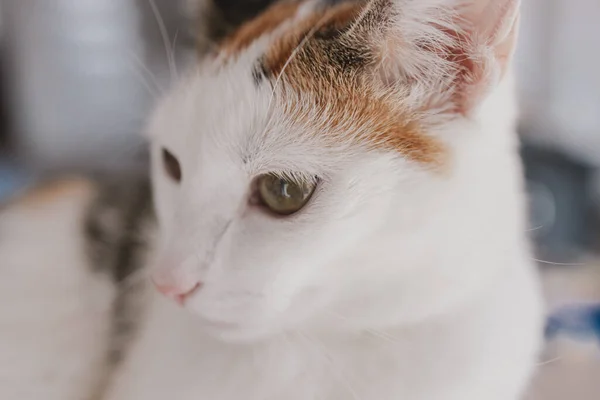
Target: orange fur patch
{"points": [[328, 83], [329, 86], [352, 111], [265, 23], [52, 192], [316, 24]]}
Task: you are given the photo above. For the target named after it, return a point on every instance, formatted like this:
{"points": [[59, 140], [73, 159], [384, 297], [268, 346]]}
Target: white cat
{"points": [[341, 217]]}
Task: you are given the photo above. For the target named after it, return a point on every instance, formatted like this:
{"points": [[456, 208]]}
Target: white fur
{"points": [[54, 312], [395, 282]]}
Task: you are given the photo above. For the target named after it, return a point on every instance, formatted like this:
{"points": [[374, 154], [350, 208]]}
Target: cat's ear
{"points": [[452, 51]]}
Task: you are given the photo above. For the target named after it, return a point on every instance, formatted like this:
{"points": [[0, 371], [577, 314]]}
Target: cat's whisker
{"points": [[559, 264], [292, 56], [165, 37], [380, 334], [357, 23], [174, 54], [330, 360], [147, 78], [548, 362], [537, 228]]}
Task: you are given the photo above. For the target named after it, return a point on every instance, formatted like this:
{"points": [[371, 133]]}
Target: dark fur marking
{"points": [[329, 49], [259, 73], [111, 223], [114, 231], [225, 16], [344, 57]]}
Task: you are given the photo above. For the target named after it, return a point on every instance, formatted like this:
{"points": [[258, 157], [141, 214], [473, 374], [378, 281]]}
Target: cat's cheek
{"points": [[309, 307], [233, 316], [245, 335], [163, 201]]}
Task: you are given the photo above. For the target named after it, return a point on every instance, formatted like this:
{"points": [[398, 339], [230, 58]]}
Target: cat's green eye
{"points": [[284, 196]]}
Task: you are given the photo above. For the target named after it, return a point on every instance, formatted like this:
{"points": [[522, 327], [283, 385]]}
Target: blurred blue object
{"points": [[11, 180], [579, 322]]}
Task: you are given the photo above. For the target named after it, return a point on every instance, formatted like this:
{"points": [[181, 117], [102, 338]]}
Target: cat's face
{"points": [[276, 170], [263, 247]]}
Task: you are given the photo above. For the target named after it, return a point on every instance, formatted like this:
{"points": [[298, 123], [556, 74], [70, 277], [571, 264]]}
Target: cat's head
{"points": [[300, 165]]}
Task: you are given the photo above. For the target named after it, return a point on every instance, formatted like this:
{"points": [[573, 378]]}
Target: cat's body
{"points": [[406, 276]]}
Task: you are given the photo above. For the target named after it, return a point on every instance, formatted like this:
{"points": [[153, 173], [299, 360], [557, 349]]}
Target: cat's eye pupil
{"points": [[283, 196], [171, 165]]}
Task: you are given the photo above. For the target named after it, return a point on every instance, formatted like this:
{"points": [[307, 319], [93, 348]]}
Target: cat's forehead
{"points": [[225, 117], [293, 76], [318, 63]]}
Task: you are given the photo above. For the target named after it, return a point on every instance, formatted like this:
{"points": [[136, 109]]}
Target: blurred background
{"points": [[78, 77]]}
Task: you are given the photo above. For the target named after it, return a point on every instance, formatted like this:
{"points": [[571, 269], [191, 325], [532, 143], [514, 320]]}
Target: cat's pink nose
{"points": [[177, 294]]}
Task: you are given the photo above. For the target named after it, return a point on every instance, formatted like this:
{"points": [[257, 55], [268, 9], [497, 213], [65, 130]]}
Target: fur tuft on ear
{"points": [[448, 53]]}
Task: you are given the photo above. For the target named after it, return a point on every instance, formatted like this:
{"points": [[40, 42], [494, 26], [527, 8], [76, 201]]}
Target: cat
{"points": [[337, 212]]}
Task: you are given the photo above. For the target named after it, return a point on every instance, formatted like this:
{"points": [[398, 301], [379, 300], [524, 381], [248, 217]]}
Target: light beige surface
{"points": [[573, 373], [570, 369]]}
